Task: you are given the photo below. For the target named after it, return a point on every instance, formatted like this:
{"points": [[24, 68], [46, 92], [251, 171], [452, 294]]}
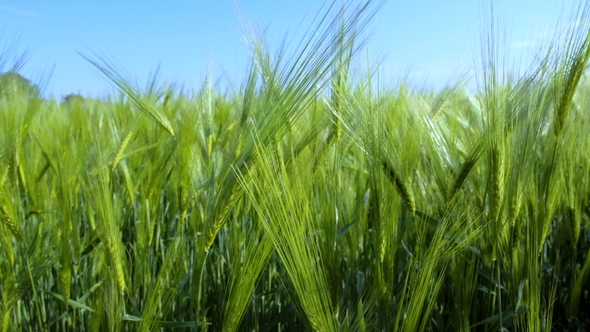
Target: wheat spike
{"points": [[21, 177], [121, 149], [65, 279], [463, 173], [574, 221], [4, 175], [515, 205], [113, 255], [6, 321], [496, 181], [9, 221], [407, 198]]}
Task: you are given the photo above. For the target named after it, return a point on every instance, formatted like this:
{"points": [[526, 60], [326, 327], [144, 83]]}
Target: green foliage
{"points": [[15, 83], [308, 199]]}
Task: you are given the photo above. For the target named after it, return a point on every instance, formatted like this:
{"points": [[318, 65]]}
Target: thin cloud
{"points": [[19, 11]]}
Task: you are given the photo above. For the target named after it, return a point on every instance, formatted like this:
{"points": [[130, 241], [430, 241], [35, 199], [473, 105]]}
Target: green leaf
{"points": [[506, 319], [73, 303]]}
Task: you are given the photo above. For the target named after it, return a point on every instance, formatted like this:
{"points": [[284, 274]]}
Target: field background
{"points": [[310, 197]]}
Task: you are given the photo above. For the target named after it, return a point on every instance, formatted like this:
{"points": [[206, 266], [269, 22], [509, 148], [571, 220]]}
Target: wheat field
{"points": [[310, 197]]}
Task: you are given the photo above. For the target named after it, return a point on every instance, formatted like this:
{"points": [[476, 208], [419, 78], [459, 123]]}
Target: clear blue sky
{"points": [[430, 41]]}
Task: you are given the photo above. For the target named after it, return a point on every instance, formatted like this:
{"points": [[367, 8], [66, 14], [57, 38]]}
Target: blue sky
{"points": [[429, 42]]}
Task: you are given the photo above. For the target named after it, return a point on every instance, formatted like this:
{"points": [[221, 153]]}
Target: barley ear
{"points": [[21, 177], [121, 149], [4, 175], [220, 218], [65, 280], [466, 168], [144, 103], [576, 59], [407, 198], [113, 255], [496, 181], [515, 204], [6, 321], [574, 221], [7, 216]]}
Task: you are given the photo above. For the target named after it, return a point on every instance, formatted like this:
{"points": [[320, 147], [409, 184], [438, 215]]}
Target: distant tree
{"points": [[75, 100], [13, 80], [72, 98]]}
